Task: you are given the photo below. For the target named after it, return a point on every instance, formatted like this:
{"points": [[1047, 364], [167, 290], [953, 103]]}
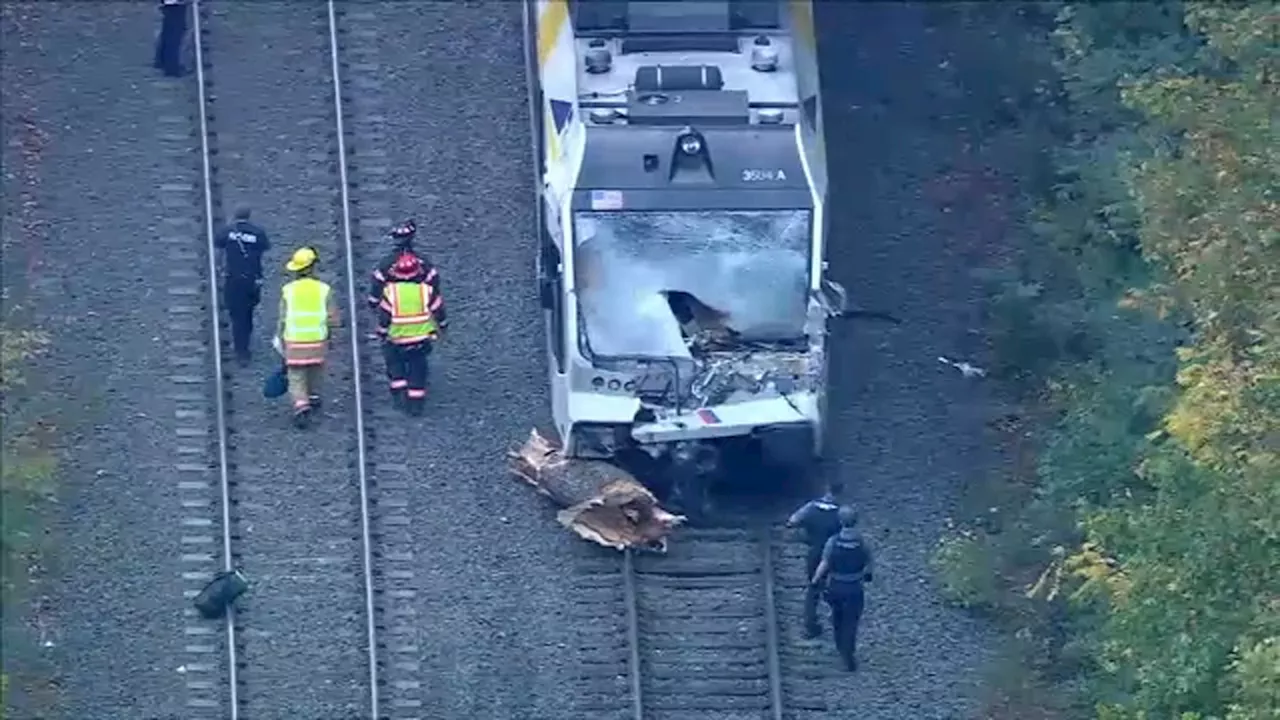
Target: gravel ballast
{"points": [[302, 644], [438, 128], [113, 197], [908, 432], [440, 132]]}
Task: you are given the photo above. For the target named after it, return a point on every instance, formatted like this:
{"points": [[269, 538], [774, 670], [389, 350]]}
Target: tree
{"points": [[1166, 447], [1201, 551]]}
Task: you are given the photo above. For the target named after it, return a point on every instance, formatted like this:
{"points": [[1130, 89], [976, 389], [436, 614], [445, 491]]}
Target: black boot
{"points": [[316, 402]]}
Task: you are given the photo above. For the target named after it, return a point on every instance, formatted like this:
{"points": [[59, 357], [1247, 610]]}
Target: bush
{"points": [[1143, 329], [26, 468], [966, 571], [26, 476], [17, 347]]}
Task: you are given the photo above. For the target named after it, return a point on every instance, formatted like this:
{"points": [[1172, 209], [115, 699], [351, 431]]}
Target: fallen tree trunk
{"points": [[601, 502]]}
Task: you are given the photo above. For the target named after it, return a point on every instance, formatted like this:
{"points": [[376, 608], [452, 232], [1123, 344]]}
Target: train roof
{"points": [[687, 62]]}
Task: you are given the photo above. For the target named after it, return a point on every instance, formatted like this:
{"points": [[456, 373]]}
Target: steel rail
{"points": [[371, 629], [219, 403], [633, 633], [772, 642], [771, 630]]}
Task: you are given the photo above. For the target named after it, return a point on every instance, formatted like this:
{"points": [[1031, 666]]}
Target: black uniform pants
{"points": [[846, 601], [811, 591], [407, 370], [173, 28], [241, 297]]}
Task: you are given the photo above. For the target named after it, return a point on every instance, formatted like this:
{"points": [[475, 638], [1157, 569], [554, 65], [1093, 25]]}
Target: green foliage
{"points": [[16, 348], [963, 564], [26, 476], [1256, 681], [1151, 348], [26, 467]]}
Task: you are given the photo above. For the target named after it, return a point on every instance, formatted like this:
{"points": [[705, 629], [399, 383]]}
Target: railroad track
{"points": [[316, 519], [708, 631]]}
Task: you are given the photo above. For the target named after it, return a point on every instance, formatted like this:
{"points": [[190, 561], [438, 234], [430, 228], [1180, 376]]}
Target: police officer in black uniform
{"points": [[845, 567], [173, 28], [243, 244], [818, 519]]}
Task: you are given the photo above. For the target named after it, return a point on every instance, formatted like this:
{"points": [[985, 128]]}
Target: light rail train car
{"points": [[682, 228]]}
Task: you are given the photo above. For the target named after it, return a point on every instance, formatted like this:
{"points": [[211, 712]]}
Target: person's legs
{"points": [[173, 29], [239, 300], [158, 62], [837, 622], [392, 355], [299, 393], [254, 296], [415, 366], [315, 380], [811, 593], [853, 616]]}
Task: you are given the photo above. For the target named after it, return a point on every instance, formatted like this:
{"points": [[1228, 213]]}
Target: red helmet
{"points": [[406, 267]]}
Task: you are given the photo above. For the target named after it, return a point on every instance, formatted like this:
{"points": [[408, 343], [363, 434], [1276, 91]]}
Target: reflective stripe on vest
{"points": [[306, 311], [411, 319]]}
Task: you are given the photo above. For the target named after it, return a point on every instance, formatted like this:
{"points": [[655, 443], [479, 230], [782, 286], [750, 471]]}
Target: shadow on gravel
{"points": [[931, 147]]}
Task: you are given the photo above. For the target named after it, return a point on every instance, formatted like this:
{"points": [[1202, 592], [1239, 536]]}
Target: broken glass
{"points": [[750, 267]]}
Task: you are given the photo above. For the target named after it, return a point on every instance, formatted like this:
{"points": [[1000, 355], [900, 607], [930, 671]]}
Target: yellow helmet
{"points": [[302, 259]]}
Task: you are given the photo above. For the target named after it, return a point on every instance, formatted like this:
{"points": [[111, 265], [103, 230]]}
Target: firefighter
{"points": [[819, 520], [845, 566], [243, 244], [308, 310], [402, 236], [173, 28], [410, 318]]}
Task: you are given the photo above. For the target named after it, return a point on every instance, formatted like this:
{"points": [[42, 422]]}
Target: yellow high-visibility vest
{"points": [[411, 318], [306, 318]]}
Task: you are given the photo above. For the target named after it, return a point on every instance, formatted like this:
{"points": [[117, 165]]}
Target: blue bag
{"points": [[276, 384]]}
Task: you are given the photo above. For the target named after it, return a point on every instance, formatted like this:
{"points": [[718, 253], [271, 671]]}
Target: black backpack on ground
{"points": [[220, 593]]}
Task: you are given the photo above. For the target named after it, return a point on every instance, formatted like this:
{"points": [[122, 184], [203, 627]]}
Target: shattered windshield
{"points": [[641, 277]]}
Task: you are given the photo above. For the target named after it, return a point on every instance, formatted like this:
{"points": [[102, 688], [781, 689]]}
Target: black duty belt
{"points": [[842, 578]]}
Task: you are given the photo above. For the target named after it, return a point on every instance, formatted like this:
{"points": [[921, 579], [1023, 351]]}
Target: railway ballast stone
{"points": [[600, 502]]}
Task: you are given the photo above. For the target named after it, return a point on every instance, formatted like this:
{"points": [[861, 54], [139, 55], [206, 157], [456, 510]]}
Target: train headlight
{"points": [[690, 144]]}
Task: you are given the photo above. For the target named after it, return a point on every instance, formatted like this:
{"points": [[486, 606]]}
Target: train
{"points": [[681, 176]]}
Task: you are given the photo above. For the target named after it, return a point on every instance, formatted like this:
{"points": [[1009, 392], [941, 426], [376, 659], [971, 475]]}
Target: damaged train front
{"points": [[683, 270]]}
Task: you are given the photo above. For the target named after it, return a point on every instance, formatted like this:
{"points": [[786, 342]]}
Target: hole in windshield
{"points": [[645, 279]]}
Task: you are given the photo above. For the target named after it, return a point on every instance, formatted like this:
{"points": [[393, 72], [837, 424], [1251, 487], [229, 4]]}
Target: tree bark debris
{"points": [[600, 502]]}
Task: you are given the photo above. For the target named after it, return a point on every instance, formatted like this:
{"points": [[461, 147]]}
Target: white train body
{"points": [[682, 226]]}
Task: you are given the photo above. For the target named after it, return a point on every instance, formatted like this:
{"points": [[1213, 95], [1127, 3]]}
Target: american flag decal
{"points": [[606, 199], [708, 417]]}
